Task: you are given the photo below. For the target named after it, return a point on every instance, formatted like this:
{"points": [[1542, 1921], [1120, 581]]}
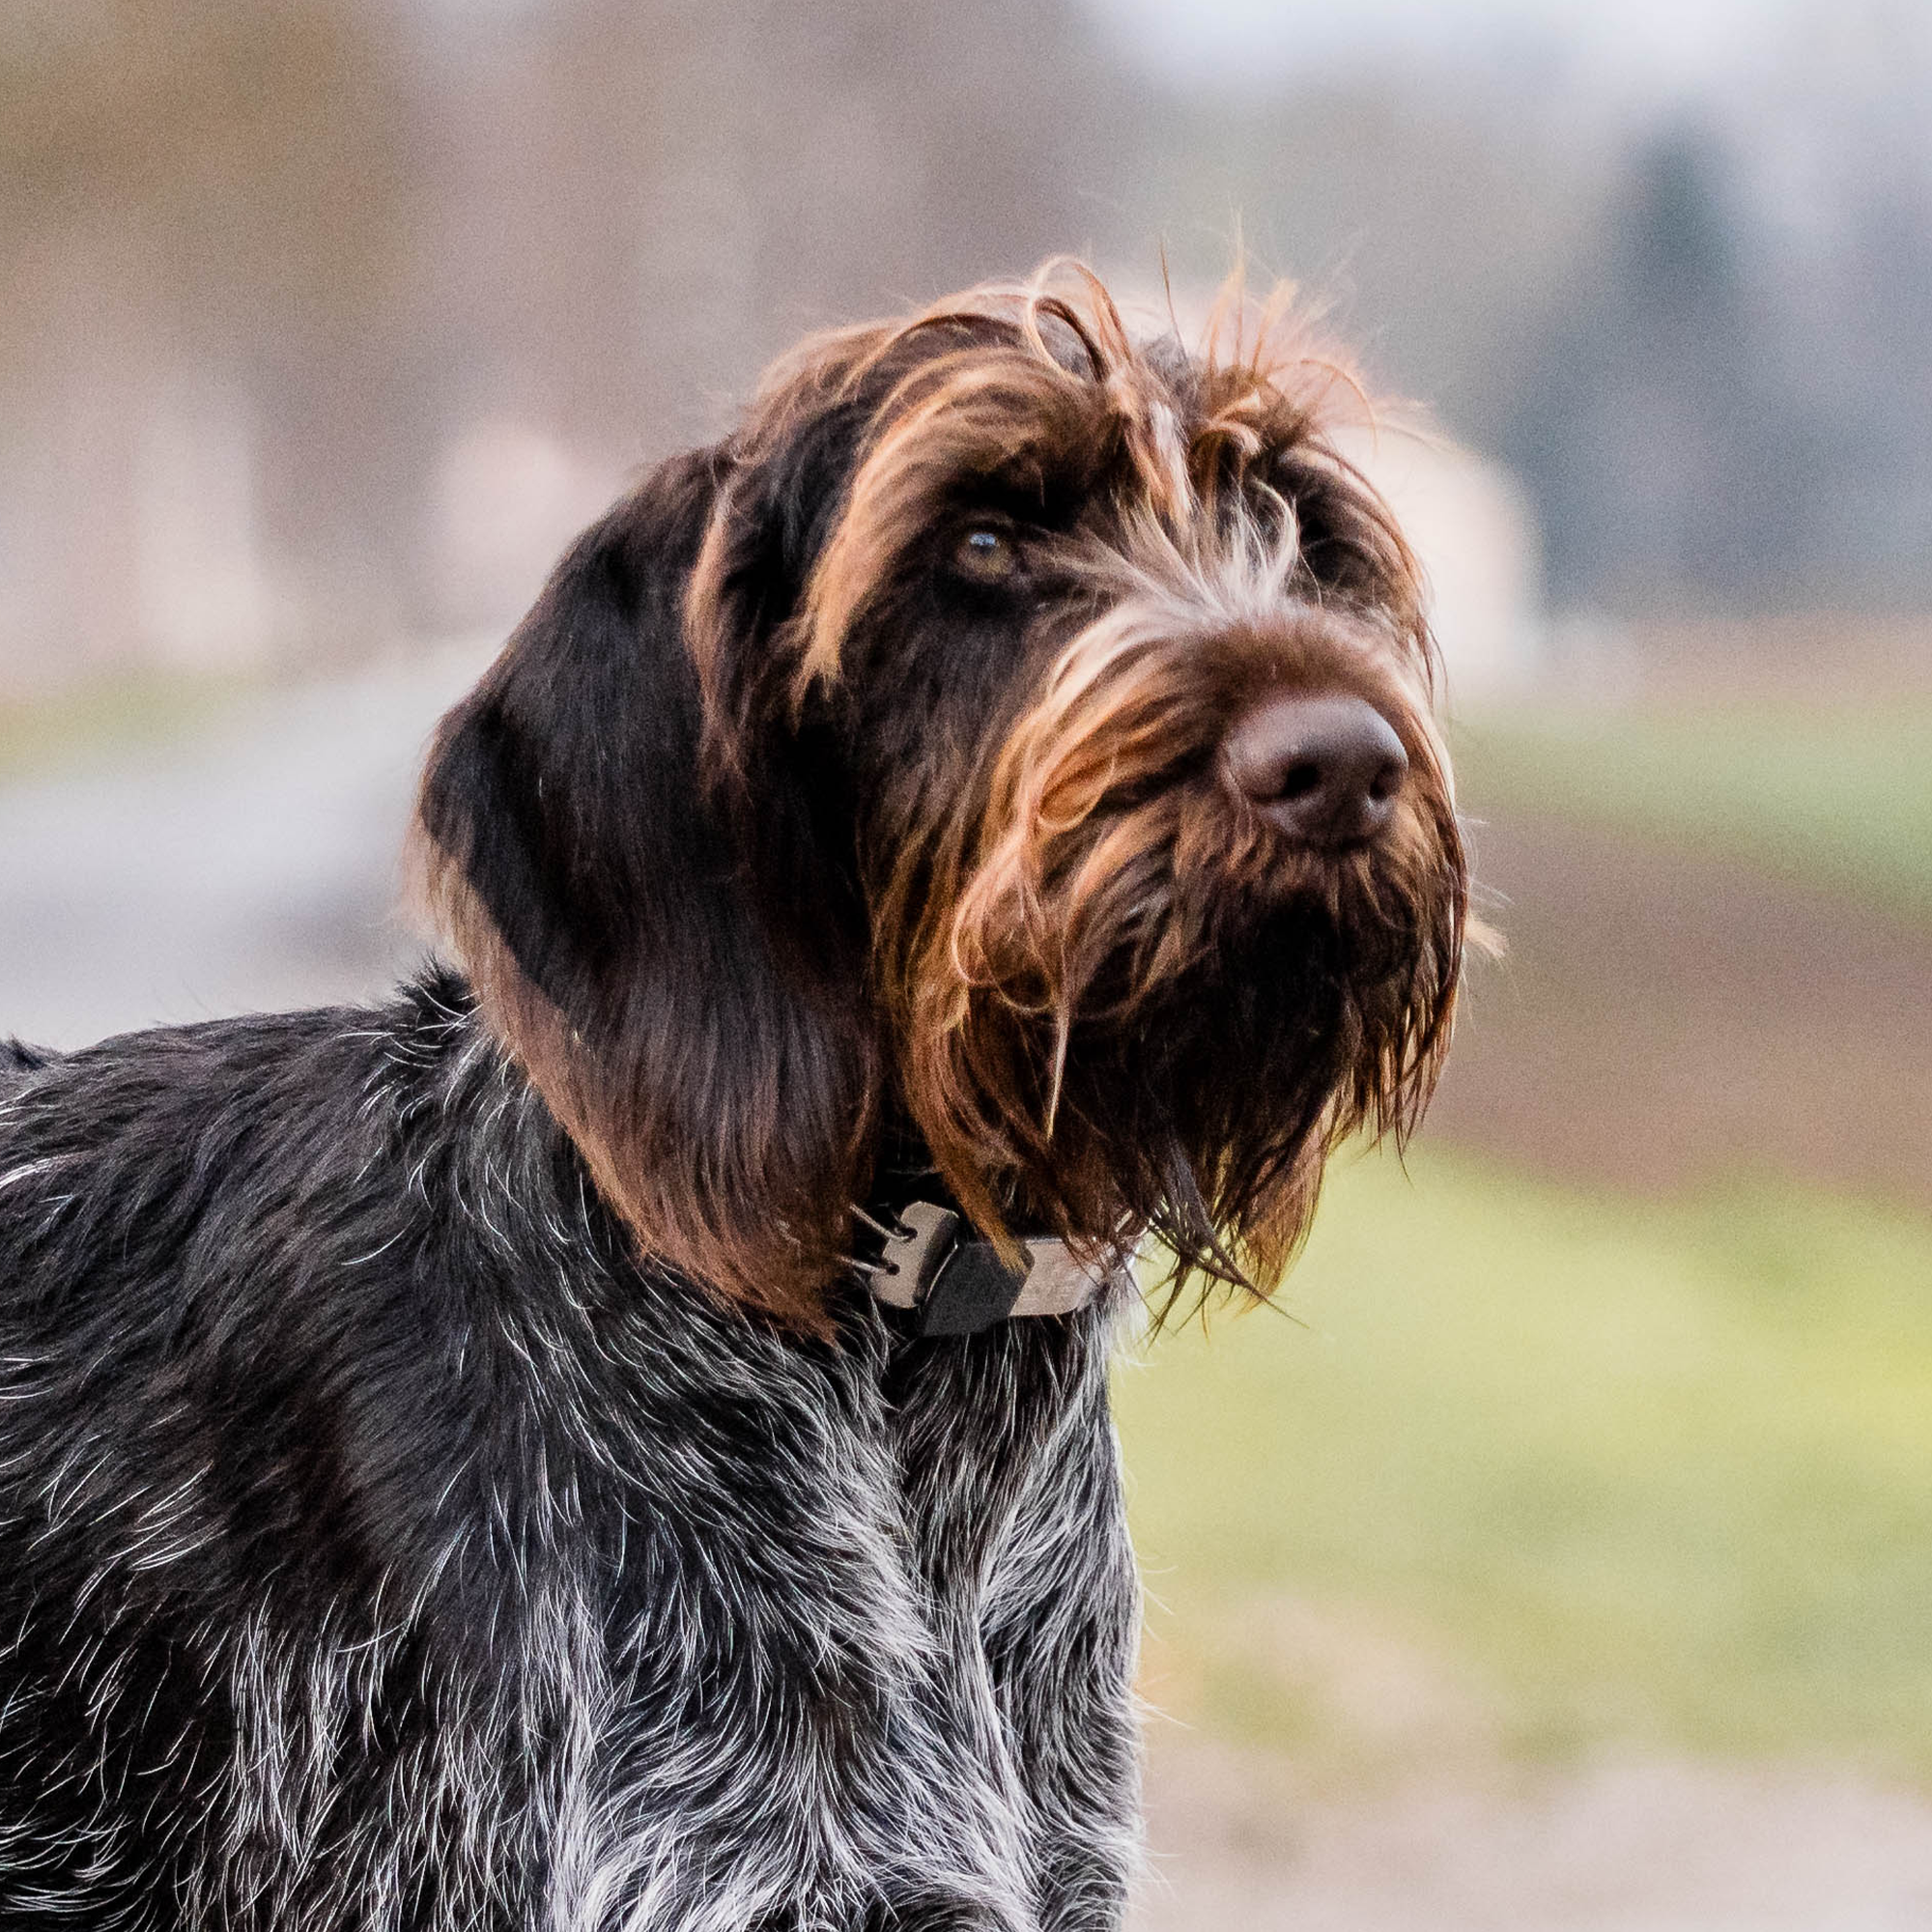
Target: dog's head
{"points": [[1014, 735]]}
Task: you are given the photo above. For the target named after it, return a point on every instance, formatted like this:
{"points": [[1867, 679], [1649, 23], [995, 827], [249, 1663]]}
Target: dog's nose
{"points": [[1322, 768]]}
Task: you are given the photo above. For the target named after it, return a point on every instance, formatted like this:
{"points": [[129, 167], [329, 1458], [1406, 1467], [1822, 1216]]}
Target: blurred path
{"points": [[1625, 1845], [252, 866], [1661, 1017]]}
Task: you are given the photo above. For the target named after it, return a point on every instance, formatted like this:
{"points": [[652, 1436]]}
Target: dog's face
{"points": [[1012, 734]]}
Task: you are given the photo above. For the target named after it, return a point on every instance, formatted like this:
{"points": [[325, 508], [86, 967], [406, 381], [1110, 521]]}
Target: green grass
{"points": [[1833, 796], [1544, 1473], [129, 709]]}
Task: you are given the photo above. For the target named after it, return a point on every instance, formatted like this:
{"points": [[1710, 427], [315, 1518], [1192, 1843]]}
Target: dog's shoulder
{"points": [[234, 1225]]}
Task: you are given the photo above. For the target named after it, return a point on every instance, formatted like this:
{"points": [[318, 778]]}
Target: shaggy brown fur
{"points": [[859, 786]]}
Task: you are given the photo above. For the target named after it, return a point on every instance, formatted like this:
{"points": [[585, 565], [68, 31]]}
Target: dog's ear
{"points": [[691, 1011]]}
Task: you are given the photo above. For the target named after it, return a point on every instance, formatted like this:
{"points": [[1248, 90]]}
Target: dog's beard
{"points": [[1122, 1007]]}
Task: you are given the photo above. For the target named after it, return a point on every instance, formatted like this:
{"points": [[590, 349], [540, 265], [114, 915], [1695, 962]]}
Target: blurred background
{"points": [[1564, 1557]]}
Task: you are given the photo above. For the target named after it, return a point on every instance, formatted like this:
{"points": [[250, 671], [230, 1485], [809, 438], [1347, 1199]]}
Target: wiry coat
{"points": [[451, 1477], [388, 1548]]}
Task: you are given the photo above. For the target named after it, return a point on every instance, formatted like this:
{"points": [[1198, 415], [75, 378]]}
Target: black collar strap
{"points": [[956, 1283]]}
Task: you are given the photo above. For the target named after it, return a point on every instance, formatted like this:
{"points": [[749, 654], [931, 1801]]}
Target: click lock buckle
{"points": [[956, 1284]]}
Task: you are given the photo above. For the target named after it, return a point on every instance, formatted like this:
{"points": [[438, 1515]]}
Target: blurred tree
{"points": [[367, 227], [718, 179], [224, 188], [1434, 225], [1633, 419], [1687, 445], [385, 220]]}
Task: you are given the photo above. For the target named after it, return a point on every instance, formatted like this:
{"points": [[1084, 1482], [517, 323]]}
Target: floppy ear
{"points": [[691, 1011]]}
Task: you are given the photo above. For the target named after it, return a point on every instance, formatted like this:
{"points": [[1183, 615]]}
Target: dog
{"points": [[617, 1436]]}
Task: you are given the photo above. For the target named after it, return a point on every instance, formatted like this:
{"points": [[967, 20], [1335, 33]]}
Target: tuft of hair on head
{"points": [[1018, 368]]}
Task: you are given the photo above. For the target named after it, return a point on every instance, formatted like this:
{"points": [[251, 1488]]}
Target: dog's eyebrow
{"points": [[1027, 491]]}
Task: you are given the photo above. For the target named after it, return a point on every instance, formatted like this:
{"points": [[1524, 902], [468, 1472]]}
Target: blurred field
{"points": [[1566, 1560], [1836, 796], [1649, 1462], [1529, 1472], [1719, 930]]}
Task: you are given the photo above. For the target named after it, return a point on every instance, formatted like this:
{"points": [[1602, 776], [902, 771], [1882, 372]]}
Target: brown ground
{"points": [[1661, 1018]]}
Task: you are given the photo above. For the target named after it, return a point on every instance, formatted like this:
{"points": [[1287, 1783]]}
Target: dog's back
{"points": [[18, 1061]]}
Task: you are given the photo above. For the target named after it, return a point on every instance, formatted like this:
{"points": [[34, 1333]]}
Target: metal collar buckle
{"points": [[957, 1284]]}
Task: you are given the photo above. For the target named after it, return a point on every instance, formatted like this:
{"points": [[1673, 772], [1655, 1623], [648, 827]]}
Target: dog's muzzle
{"points": [[956, 1284]]}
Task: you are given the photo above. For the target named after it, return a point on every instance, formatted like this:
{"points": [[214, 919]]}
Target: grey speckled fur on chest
{"points": [[437, 1566]]}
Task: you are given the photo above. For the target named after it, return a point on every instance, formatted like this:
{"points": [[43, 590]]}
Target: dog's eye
{"points": [[987, 555]]}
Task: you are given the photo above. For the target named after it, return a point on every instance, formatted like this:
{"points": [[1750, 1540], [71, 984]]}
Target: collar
{"points": [[955, 1281]]}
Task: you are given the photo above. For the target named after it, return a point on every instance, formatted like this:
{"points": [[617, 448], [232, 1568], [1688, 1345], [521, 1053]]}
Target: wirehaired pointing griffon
{"points": [[620, 1438]]}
